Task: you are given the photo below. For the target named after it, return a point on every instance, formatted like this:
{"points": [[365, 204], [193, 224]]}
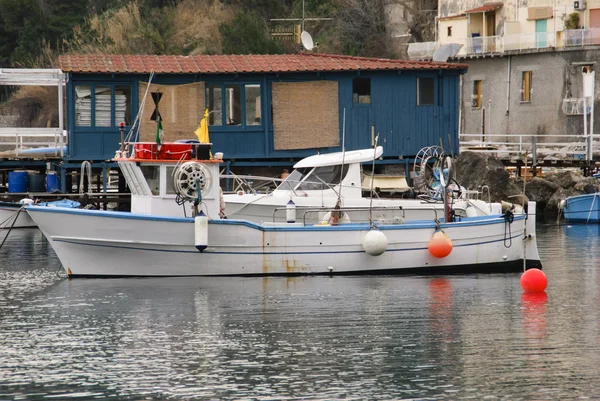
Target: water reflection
{"points": [[457, 337]]}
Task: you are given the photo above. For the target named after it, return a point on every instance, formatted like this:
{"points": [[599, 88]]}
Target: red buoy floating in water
{"points": [[440, 245], [534, 280]]}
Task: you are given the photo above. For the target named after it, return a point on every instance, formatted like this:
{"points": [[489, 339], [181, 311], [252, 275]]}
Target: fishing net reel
{"points": [[189, 178], [432, 172]]}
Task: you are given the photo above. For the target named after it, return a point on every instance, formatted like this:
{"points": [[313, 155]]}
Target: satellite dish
{"points": [[444, 52], [307, 41]]}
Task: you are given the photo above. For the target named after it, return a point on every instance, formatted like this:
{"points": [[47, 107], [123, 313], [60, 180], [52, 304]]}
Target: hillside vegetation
{"points": [[33, 32]]}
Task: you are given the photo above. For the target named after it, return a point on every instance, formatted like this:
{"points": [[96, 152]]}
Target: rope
{"points": [[136, 122], [16, 216], [591, 208], [509, 217]]}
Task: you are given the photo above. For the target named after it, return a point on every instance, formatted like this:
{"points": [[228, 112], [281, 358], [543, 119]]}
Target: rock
{"points": [[559, 195], [566, 179], [588, 185], [541, 190], [475, 170]]}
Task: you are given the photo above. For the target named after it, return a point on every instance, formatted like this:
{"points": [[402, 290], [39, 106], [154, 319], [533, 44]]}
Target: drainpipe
{"points": [[508, 88], [489, 130], [460, 106], [508, 97]]}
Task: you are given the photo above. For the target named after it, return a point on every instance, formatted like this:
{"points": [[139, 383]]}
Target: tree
{"points": [[362, 28], [247, 34]]}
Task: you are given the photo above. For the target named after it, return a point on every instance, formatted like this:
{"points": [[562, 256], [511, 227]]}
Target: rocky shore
{"points": [[474, 171]]}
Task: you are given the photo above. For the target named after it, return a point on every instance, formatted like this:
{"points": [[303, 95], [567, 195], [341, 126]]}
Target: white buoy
{"points": [[26, 201], [290, 212], [375, 243], [201, 231]]}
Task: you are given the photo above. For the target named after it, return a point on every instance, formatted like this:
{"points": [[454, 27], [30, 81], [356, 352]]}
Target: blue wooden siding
{"points": [[402, 125]]}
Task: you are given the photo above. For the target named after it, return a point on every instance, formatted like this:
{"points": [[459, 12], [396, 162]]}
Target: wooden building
{"points": [[263, 108]]}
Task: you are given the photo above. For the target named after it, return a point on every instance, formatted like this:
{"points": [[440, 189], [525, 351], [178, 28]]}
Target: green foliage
{"points": [[247, 34], [572, 21]]}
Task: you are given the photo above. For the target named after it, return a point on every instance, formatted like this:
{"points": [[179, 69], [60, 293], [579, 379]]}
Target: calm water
{"points": [[363, 338]]}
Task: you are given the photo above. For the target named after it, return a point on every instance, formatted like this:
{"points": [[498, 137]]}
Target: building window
{"points": [[449, 31], [526, 89], [111, 105], [122, 105], [476, 96], [214, 104], [361, 90], [234, 104], [83, 105], [102, 106], [252, 96], [425, 91]]}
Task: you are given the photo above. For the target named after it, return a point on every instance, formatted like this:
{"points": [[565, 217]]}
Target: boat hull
{"points": [[8, 212], [114, 244], [582, 209]]}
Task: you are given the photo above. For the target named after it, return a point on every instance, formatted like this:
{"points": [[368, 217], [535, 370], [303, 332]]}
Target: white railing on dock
{"points": [[513, 146], [46, 137]]}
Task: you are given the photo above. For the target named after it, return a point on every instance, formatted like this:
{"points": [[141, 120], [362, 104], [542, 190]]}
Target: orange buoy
{"points": [[440, 245], [534, 280]]}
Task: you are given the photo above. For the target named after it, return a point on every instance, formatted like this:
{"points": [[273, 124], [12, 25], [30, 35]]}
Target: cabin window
{"points": [[449, 31], [234, 105], [323, 178], [526, 89], [102, 105], [214, 104], [253, 115], [361, 90], [169, 181], [152, 176], [425, 91], [476, 96]]}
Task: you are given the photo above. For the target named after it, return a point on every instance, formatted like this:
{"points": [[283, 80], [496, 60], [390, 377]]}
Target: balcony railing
{"points": [[581, 37], [422, 50], [517, 42]]}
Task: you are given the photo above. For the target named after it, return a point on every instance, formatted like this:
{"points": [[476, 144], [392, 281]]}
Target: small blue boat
{"points": [[582, 208]]}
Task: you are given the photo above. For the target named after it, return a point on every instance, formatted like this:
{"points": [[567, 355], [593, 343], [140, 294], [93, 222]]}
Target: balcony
{"points": [[490, 45], [422, 51]]}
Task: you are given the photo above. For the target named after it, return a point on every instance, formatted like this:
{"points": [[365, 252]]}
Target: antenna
{"points": [[307, 41]]}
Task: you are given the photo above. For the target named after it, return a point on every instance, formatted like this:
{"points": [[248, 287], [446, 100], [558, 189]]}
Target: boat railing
{"points": [[336, 216]]}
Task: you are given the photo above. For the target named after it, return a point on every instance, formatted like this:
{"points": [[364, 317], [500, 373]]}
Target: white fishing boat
{"points": [[153, 240], [13, 214], [321, 181]]}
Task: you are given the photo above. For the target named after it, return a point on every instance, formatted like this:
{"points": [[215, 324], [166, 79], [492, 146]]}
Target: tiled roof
{"points": [[485, 8], [231, 64]]}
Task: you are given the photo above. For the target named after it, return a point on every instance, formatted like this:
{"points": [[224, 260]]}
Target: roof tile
{"points": [[231, 64]]}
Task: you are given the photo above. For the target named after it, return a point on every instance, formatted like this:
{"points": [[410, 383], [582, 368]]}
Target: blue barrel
{"points": [[17, 181], [52, 181], [37, 182]]}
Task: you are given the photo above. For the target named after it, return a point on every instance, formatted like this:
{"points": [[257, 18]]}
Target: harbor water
{"points": [[304, 338]]}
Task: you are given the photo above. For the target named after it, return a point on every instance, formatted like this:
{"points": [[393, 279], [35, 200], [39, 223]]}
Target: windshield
{"points": [[324, 178], [293, 179]]}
